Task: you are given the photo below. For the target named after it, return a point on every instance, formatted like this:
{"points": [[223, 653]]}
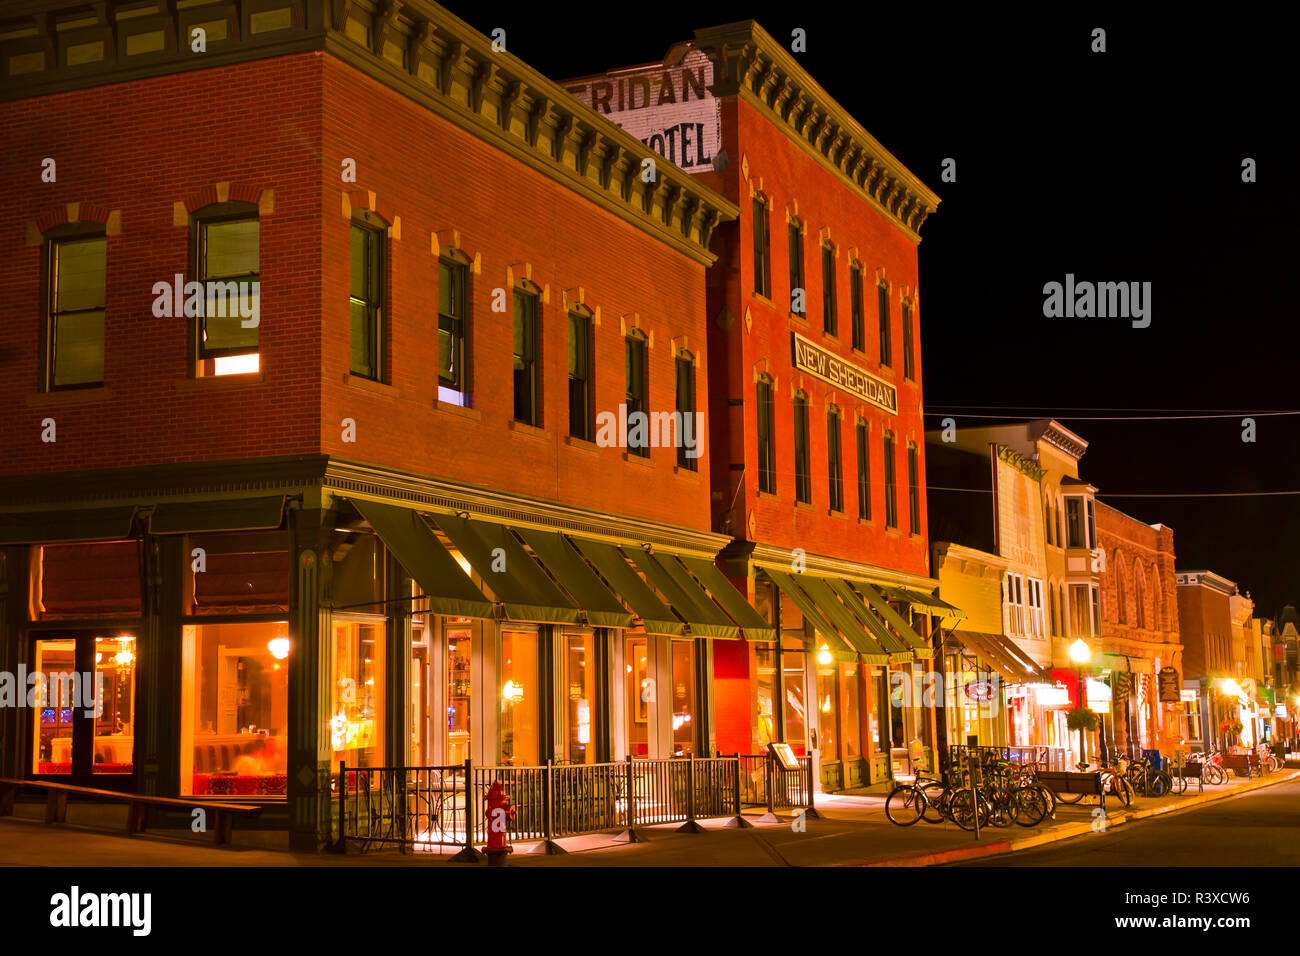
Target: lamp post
{"points": [[1080, 653]]}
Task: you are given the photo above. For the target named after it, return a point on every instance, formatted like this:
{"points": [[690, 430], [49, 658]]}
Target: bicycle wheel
{"points": [[1178, 785], [1049, 799], [1069, 798], [905, 806], [935, 796], [1160, 784], [1031, 807], [1214, 774], [964, 806]]}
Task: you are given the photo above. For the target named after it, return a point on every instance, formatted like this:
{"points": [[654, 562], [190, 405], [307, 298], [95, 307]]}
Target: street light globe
{"points": [[1079, 652]]}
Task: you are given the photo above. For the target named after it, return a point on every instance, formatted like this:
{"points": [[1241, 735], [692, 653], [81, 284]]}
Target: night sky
{"points": [[1119, 166]]}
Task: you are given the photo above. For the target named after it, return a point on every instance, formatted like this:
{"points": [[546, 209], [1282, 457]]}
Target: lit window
{"points": [[75, 292], [227, 240]]}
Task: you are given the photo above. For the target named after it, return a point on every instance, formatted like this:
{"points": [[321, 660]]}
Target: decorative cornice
{"points": [[749, 63]]}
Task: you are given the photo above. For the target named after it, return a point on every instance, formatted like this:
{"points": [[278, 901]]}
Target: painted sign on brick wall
{"points": [[667, 107]]}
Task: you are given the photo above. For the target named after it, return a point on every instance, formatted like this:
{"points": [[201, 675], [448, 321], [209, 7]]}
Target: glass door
{"points": [[83, 709], [459, 636]]}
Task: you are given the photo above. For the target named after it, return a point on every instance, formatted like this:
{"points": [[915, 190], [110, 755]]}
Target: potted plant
{"points": [[1082, 718]]}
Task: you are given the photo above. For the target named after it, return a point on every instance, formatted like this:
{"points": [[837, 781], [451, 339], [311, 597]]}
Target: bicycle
{"points": [[910, 802], [1144, 778], [1212, 768]]}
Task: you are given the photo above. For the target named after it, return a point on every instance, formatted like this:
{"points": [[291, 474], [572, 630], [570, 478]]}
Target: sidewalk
{"points": [[852, 831]]}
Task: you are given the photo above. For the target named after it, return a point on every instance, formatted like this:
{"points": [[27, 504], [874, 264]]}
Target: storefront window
{"points": [[827, 705], [765, 695], [683, 698], [52, 747], [234, 709], [880, 716], [357, 695], [579, 682], [640, 695], [459, 689], [519, 726], [1192, 719], [852, 730], [115, 667], [795, 717]]}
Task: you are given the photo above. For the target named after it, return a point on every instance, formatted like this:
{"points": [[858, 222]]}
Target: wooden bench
{"points": [[1065, 781], [1242, 764], [56, 805]]}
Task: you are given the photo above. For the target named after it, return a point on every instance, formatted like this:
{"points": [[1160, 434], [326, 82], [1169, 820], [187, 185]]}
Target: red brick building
{"points": [[817, 464], [373, 516]]}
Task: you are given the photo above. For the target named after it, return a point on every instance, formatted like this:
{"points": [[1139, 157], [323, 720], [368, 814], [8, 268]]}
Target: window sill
{"points": [[590, 447], [370, 385], [766, 496], [219, 381], [799, 320], [804, 506], [690, 474], [832, 337], [460, 411], [859, 353], [644, 462], [524, 430], [832, 513], [893, 532], [762, 299], [887, 370], [866, 522], [70, 396]]}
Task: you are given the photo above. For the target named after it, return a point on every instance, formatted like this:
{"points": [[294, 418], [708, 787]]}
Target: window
{"points": [[1015, 604], [637, 388], [1074, 522], [891, 506], [1192, 719], [1092, 526], [366, 300], [1035, 614], [864, 473], [527, 382], [798, 291], [1096, 611], [802, 471], [766, 443], [685, 378], [830, 322], [684, 730], [852, 723], [1051, 602], [762, 251], [1047, 522], [580, 739], [356, 717], [913, 489], [908, 369], [882, 303], [235, 709], [520, 693], [834, 460], [227, 239], [76, 264], [582, 409], [828, 698], [859, 333], [453, 316], [1080, 624]]}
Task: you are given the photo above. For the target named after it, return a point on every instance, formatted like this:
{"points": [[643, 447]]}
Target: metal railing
{"points": [[406, 807], [1046, 758]]}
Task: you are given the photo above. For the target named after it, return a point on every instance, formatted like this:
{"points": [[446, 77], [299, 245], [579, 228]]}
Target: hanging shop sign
{"points": [[829, 367], [1171, 685]]}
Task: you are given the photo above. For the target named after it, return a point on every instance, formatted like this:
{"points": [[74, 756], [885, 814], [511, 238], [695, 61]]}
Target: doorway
{"points": [[83, 713]]}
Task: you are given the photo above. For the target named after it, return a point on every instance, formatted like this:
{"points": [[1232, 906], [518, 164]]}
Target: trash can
{"points": [[1155, 758]]}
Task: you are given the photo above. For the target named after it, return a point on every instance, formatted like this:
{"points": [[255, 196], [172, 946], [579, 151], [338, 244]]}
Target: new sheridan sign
{"points": [[815, 360]]}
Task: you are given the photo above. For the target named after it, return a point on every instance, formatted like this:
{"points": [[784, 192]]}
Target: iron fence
{"points": [[1046, 758], [405, 807]]}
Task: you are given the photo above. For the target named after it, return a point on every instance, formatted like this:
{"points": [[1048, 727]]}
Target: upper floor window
{"points": [[1034, 612], [864, 472], [834, 460], [859, 332], [891, 504], [1074, 527], [830, 321], [798, 289], [766, 440], [1015, 604], [913, 488], [527, 346], [453, 331], [638, 389], [802, 454], [762, 250], [582, 413], [1092, 525], [685, 381], [227, 239], [909, 370], [882, 303], [1047, 522], [367, 299], [75, 295]]}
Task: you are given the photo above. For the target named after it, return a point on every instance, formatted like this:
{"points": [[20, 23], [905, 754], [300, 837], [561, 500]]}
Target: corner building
{"points": [[374, 526], [817, 461]]}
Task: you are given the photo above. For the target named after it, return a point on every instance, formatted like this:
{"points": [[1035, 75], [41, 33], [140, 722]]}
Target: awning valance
{"points": [[914, 641], [239, 514], [446, 586], [732, 601], [685, 596], [627, 584], [1004, 656], [508, 570], [585, 588], [76, 524]]}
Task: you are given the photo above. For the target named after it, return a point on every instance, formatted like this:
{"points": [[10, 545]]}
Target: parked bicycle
{"points": [[935, 801], [1144, 778], [1212, 771]]}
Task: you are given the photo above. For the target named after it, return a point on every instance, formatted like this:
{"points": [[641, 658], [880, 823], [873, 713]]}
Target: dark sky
{"points": [[1119, 166]]}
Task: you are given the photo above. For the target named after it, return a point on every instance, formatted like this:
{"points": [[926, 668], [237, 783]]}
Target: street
{"points": [[1255, 829]]}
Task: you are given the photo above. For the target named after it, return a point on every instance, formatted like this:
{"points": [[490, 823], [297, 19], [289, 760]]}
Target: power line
{"points": [[1114, 418], [1148, 494]]}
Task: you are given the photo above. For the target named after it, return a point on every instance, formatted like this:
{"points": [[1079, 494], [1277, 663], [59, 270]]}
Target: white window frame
{"points": [[1035, 609]]}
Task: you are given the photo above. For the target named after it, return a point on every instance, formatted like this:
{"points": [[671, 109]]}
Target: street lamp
{"points": [[1080, 653]]}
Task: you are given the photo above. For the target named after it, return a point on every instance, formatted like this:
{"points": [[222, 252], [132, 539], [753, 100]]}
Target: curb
{"points": [[1069, 831]]}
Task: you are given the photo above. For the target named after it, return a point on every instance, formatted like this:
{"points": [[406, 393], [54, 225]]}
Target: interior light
{"points": [[279, 647], [824, 657], [512, 692], [237, 364], [123, 658]]}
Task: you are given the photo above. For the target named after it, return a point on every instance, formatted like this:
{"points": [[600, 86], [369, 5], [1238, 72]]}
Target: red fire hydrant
{"points": [[499, 813]]}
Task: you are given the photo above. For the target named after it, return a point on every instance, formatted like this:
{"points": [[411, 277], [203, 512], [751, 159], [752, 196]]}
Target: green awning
{"points": [[928, 601], [627, 584], [897, 650], [76, 524], [808, 608], [849, 628], [691, 602], [584, 587], [508, 571], [240, 514], [446, 586], [877, 601], [732, 601]]}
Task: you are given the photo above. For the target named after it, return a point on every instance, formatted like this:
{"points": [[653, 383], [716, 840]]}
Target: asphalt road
{"points": [[1261, 828]]}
